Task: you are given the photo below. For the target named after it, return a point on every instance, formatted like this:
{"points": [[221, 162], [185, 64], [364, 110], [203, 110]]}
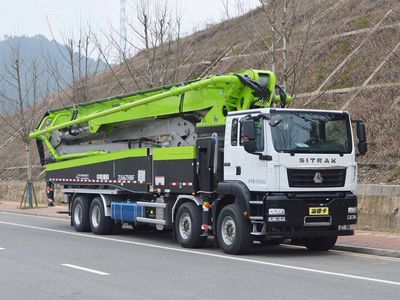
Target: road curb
{"points": [[367, 250], [38, 214]]}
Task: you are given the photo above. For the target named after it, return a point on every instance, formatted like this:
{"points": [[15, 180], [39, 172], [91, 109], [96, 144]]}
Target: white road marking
{"points": [[2, 248], [341, 252], [36, 216], [365, 255], [227, 257], [85, 269]]}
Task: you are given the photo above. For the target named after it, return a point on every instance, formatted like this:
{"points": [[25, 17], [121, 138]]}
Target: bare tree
{"points": [[20, 91], [225, 9], [81, 60], [119, 43], [156, 36], [285, 10]]}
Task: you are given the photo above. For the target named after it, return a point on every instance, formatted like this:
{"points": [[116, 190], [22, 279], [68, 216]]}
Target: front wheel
{"points": [[188, 226], [321, 243], [232, 231]]}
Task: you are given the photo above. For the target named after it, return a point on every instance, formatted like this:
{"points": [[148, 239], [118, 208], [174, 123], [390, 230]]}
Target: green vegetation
{"points": [[323, 105], [321, 73], [341, 50], [359, 22], [350, 77]]}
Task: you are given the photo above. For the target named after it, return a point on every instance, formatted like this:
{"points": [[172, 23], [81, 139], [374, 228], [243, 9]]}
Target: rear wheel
{"points": [[320, 243], [99, 223], [233, 232], [80, 214], [188, 226]]}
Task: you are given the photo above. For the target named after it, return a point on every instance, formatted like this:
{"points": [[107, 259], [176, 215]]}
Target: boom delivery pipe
{"points": [[232, 91], [124, 107]]}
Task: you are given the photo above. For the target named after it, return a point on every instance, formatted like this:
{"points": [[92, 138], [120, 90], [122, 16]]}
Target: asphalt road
{"points": [[44, 258]]}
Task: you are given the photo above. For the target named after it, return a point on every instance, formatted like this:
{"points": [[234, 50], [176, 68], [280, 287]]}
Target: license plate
{"points": [[318, 211]]}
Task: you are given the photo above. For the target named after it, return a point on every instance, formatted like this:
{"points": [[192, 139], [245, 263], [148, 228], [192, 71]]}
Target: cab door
{"points": [[241, 165]]}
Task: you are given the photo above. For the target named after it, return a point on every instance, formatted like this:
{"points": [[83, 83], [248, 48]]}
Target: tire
{"points": [[233, 232], [80, 214], [99, 223], [188, 226], [320, 243], [116, 228]]}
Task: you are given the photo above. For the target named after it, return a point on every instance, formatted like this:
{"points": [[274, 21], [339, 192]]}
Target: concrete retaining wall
{"points": [[378, 207], [13, 191]]}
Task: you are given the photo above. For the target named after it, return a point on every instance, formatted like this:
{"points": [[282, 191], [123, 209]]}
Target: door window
{"points": [[234, 132]]}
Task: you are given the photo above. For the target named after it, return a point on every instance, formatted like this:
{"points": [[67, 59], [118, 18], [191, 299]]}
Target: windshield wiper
{"points": [[299, 150]]}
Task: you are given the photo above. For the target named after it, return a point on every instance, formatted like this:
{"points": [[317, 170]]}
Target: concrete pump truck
{"points": [[220, 156]]}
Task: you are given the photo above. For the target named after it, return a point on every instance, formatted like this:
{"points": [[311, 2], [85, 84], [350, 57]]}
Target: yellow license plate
{"points": [[318, 211]]}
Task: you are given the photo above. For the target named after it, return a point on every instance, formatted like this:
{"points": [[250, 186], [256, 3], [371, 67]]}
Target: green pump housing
{"points": [[210, 99]]}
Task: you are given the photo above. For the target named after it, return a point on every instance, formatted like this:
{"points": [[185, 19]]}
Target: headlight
{"points": [[276, 211], [352, 210]]}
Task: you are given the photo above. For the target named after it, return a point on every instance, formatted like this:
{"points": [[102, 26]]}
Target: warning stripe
{"points": [[206, 227], [96, 180], [175, 183]]}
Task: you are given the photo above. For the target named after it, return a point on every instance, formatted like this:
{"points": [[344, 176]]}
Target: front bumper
{"points": [[300, 234], [297, 221]]}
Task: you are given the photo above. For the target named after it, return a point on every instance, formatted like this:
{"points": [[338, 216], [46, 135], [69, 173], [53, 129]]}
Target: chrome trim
{"points": [[151, 221], [151, 204], [93, 191], [316, 167], [318, 223]]}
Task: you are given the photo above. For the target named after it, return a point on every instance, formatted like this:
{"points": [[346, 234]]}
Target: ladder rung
{"points": [[151, 204], [257, 233], [150, 220], [256, 218], [256, 202]]}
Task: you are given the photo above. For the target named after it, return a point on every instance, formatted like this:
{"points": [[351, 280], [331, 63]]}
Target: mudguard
{"points": [[240, 191]]}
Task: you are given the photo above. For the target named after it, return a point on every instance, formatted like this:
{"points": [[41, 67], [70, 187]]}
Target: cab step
{"points": [[256, 202]]}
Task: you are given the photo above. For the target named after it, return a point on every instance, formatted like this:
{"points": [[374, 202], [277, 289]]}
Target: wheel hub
{"points": [[185, 226], [228, 230], [78, 214], [96, 216]]}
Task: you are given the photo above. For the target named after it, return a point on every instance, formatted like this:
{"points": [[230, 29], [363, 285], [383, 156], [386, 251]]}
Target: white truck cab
{"points": [[299, 167], [296, 150]]}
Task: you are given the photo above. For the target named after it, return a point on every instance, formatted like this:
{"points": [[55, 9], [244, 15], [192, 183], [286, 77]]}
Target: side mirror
{"points": [[361, 132], [248, 137], [362, 138], [362, 147]]}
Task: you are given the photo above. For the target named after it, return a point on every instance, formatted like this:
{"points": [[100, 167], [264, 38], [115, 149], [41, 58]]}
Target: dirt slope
{"points": [[333, 29]]}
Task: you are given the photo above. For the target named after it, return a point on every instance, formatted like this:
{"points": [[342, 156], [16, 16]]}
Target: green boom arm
{"points": [[216, 95]]}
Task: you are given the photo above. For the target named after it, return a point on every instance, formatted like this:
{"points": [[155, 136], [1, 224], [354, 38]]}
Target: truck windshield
{"points": [[311, 132]]}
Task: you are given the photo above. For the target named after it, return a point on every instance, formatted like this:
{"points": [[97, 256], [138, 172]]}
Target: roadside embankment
{"points": [[378, 207], [13, 191]]}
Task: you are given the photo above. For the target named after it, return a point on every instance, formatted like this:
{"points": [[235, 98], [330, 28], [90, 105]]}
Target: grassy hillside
{"points": [[324, 34]]}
